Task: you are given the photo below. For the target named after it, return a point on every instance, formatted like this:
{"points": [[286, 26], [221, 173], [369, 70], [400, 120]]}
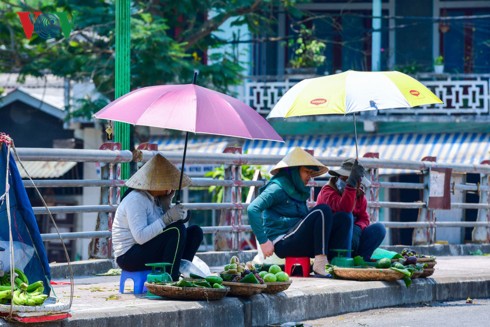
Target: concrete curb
{"points": [[455, 278]]}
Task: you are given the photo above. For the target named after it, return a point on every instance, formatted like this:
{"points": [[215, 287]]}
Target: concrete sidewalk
{"points": [[96, 300]]}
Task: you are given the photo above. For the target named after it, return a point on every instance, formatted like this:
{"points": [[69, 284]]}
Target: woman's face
{"points": [[305, 174]]}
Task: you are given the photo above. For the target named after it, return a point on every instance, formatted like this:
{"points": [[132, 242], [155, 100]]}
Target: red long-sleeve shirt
{"points": [[346, 202]]}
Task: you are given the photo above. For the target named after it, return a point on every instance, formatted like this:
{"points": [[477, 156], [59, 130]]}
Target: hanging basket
{"points": [[50, 310]]}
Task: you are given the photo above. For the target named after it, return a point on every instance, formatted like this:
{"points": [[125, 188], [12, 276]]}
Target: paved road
{"points": [[447, 314], [97, 301]]}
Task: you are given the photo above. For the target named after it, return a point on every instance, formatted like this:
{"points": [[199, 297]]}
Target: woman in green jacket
{"points": [[284, 225]]}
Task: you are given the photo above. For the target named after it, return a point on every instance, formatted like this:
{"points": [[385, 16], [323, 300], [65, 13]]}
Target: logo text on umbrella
{"points": [[318, 101]]}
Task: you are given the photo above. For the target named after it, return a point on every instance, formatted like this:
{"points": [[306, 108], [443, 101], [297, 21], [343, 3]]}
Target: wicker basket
{"points": [[429, 270], [367, 274], [276, 287], [244, 289], [417, 274], [187, 293]]}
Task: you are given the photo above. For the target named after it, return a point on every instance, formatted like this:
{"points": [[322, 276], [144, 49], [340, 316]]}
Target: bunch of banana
{"points": [[31, 295], [20, 297], [23, 293]]}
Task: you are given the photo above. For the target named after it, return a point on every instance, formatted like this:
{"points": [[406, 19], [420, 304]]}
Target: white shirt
{"points": [[138, 219]]}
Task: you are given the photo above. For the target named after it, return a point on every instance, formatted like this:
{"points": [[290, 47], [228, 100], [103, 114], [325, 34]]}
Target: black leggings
{"points": [[173, 244], [318, 233]]}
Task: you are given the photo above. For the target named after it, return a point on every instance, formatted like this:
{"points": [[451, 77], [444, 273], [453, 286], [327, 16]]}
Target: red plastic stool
{"points": [[292, 264]]}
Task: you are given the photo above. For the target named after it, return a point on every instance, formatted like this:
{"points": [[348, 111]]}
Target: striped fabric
{"points": [[459, 148]]}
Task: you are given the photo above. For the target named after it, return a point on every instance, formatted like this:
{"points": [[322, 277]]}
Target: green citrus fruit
{"points": [[274, 269], [282, 276], [263, 273], [270, 278], [383, 263]]}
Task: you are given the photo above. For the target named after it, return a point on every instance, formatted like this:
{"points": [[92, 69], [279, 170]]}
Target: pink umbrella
{"points": [[189, 108]]}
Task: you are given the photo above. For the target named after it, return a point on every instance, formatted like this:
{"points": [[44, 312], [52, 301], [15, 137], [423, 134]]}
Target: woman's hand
{"points": [[176, 213], [267, 248]]}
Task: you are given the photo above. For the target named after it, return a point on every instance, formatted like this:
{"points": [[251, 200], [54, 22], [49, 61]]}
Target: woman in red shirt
{"points": [[344, 193]]}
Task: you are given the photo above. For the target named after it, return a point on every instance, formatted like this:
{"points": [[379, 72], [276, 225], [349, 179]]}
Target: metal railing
{"points": [[424, 227]]}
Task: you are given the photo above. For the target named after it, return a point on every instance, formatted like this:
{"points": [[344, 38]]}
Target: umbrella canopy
{"points": [[351, 92], [189, 108]]}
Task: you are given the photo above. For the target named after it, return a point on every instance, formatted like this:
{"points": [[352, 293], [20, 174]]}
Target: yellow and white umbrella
{"points": [[351, 92]]}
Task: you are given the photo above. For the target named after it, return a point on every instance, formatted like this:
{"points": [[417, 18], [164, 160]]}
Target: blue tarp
{"points": [[29, 251]]}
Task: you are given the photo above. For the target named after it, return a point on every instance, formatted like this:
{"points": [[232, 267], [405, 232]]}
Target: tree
{"points": [[169, 40]]}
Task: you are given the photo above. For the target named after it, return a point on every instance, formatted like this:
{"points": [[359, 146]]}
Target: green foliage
{"points": [[169, 40], [219, 173], [439, 60], [308, 52]]}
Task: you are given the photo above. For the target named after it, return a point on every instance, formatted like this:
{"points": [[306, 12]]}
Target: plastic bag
{"points": [[23, 253], [201, 265], [196, 267]]}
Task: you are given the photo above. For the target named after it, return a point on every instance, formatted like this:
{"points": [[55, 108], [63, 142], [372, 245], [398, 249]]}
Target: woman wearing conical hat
{"points": [[282, 222], [146, 228]]}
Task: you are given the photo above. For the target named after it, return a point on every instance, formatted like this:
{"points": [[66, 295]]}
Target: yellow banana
{"points": [[39, 299], [30, 300], [17, 299]]}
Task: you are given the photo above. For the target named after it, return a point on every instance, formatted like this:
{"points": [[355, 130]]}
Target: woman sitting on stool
{"points": [[146, 228]]}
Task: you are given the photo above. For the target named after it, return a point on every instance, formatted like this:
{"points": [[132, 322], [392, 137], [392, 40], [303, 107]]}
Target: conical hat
{"points": [[157, 174], [299, 157]]}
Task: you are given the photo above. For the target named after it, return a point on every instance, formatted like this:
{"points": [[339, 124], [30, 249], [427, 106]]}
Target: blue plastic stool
{"points": [[138, 277]]}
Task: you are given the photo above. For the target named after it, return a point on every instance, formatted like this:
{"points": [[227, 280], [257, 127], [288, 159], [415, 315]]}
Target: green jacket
{"points": [[274, 212]]}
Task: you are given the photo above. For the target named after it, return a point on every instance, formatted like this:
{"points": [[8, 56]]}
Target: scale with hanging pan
{"points": [[158, 273], [341, 259]]}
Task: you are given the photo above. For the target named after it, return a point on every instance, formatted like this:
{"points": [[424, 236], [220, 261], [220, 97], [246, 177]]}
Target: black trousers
{"points": [[318, 233], [175, 243]]}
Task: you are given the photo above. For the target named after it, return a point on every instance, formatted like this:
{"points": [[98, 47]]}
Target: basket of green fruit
{"points": [[428, 262], [209, 288], [369, 273], [275, 279], [381, 270], [242, 279]]}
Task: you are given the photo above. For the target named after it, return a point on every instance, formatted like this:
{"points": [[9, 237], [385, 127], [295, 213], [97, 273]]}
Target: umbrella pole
{"points": [[194, 79], [355, 134], [182, 169]]}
